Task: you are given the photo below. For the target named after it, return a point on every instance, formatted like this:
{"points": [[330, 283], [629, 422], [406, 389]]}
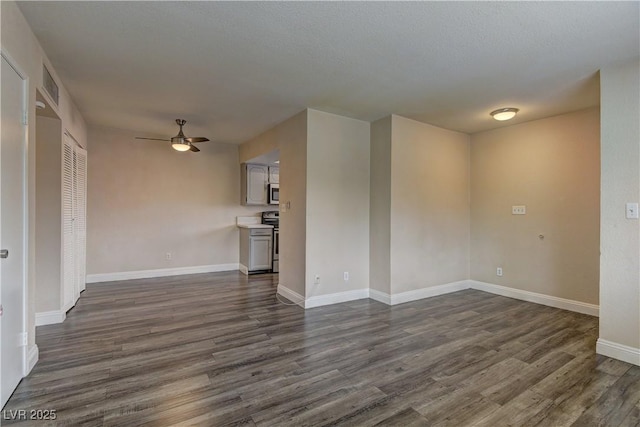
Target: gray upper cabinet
{"points": [[254, 180], [274, 175]]}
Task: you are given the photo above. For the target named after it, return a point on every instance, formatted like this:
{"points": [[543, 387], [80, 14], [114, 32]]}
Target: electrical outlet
{"points": [[168, 256], [499, 271], [345, 275], [518, 210], [316, 279]]}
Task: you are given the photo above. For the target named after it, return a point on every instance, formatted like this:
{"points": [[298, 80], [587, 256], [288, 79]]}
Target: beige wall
{"points": [[620, 237], [290, 137], [429, 205], [337, 203], [264, 143], [380, 206], [49, 207], [22, 46], [19, 42], [146, 199], [292, 142], [552, 166]]}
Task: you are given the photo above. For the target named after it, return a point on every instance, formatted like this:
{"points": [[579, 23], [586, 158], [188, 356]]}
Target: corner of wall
{"points": [[551, 166], [429, 200], [619, 236], [380, 208], [337, 203]]}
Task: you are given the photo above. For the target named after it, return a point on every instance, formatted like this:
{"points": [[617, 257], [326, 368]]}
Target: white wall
{"points": [[552, 166], [337, 204], [292, 142], [146, 200], [19, 42], [419, 209], [380, 206], [262, 144], [429, 206], [48, 210], [620, 237]]}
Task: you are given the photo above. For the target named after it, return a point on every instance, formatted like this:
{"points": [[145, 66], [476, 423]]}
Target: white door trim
{"points": [[70, 135], [26, 365]]}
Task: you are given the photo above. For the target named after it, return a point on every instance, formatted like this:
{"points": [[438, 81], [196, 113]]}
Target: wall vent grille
{"points": [[49, 84]]}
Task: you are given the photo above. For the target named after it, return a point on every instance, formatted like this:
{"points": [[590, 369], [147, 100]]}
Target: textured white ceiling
{"points": [[234, 69]]}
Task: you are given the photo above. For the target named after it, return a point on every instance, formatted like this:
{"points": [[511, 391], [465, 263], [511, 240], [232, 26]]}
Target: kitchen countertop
{"points": [[251, 222], [254, 226]]}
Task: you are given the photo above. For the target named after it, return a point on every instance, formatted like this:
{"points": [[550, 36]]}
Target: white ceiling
{"points": [[234, 69]]}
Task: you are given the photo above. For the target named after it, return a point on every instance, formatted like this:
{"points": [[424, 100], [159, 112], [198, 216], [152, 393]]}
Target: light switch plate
{"points": [[632, 210]]}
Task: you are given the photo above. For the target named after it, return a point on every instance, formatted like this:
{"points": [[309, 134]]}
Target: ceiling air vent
{"points": [[49, 84]]}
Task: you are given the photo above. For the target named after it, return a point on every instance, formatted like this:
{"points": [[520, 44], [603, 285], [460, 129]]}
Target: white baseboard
{"points": [[618, 351], [32, 359], [320, 300], [291, 295], [551, 301], [50, 317], [380, 296], [243, 269], [432, 291], [69, 306], [161, 272]]}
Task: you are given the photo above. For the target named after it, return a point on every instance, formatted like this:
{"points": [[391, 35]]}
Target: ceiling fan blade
{"points": [[153, 139], [197, 139], [194, 149]]}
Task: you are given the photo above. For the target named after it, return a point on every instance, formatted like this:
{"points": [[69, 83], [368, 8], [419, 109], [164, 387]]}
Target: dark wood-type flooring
{"points": [[219, 349]]}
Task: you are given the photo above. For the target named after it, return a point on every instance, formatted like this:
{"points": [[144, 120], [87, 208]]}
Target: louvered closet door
{"points": [[80, 223], [74, 223], [68, 233]]}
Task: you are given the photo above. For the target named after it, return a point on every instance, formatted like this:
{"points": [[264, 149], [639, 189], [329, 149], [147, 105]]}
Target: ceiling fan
{"points": [[181, 142]]}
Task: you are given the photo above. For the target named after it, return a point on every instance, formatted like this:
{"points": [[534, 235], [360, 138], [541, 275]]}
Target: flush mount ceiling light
{"points": [[502, 114]]}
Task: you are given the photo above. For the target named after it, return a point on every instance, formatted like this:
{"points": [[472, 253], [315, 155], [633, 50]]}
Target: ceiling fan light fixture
{"points": [[503, 114], [179, 144]]}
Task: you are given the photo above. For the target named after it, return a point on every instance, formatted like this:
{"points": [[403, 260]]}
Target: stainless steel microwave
{"points": [[274, 194]]}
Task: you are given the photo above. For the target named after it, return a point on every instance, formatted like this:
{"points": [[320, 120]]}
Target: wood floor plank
{"points": [[633, 417], [457, 408], [219, 349], [529, 376], [408, 417], [615, 404], [519, 411]]}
